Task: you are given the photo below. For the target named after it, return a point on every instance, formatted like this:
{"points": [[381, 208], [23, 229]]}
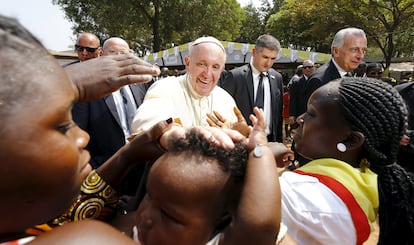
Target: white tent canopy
{"points": [[237, 53]]}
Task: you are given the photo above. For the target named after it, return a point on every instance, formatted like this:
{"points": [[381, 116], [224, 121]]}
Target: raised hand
{"points": [[100, 76], [258, 132], [280, 152], [217, 120]]}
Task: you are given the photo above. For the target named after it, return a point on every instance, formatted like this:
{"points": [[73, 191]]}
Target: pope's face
{"points": [[204, 67]]}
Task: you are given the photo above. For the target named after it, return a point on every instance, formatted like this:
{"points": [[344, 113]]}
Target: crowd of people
{"points": [[100, 152]]}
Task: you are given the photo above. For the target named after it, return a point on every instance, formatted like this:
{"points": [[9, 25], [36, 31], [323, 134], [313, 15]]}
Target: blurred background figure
{"points": [[298, 74], [286, 124], [297, 98], [360, 70], [164, 72], [374, 70], [297, 91]]}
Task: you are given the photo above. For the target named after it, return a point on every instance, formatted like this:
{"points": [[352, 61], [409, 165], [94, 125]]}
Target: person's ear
{"points": [[335, 51], [355, 140], [100, 51], [186, 60], [254, 51]]}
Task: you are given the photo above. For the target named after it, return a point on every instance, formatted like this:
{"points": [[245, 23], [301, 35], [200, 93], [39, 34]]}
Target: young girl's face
{"points": [[42, 152], [183, 201]]}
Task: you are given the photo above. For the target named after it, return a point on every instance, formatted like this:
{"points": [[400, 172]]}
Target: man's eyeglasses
{"points": [[81, 48], [307, 67]]}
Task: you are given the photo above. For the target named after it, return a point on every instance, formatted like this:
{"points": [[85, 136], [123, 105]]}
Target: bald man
{"points": [[87, 47], [106, 119], [298, 103], [115, 45]]}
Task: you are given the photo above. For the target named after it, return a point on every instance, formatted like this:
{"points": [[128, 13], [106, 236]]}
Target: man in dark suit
{"points": [[258, 84], [406, 152], [106, 119], [348, 51], [297, 103]]}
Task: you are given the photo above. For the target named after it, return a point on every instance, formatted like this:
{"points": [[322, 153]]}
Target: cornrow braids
{"points": [[375, 109]]}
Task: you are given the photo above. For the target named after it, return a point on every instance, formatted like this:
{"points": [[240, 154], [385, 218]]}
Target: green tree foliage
{"points": [[252, 25], [307, 23], [152, 25], [277, 5], [393, 23]]}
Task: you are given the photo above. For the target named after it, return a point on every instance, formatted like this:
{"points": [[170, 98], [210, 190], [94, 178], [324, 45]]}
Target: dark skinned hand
{"points": [[218, 120], [101, 76]]}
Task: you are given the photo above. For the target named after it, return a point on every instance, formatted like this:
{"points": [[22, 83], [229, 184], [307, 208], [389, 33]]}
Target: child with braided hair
{"points": [[351, 133]]}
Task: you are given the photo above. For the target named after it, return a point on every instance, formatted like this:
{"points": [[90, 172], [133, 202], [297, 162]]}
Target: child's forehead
{"points": [[187, 161], [187, 183], [188, 169]]}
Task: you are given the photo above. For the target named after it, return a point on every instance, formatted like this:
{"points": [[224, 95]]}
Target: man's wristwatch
{"points": [[258, 150]]}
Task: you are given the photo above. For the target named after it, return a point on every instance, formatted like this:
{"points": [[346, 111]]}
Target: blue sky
{"points": [[47, 21]]}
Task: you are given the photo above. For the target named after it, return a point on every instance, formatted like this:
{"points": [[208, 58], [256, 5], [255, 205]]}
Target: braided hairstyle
{"points": [[375, 109]]}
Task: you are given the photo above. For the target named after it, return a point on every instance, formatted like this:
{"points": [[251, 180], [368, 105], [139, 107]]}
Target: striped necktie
{"points": [[129, 107]]}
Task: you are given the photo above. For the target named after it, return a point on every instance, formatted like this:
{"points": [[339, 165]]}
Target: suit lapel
{"points": [[109, 100], [135, 93], [332, 71], [273, 91], [273, 86], [250, 86]]}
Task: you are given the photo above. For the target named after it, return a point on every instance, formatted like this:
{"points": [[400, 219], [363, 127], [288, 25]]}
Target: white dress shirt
{"points": [[267, 108]]}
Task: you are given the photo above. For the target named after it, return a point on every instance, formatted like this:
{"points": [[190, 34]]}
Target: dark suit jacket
{"points": [[239, 83], [100, 119], [406, 153], [320, 77], [70, 63], [297, 102]]}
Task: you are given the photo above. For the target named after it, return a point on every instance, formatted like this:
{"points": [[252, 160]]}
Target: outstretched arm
{"points": [[143, 147], [258, 216], [150, 144], [100, 76]]}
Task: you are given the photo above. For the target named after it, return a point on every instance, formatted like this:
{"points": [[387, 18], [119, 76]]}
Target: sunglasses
{"points": [[81, 48], [307, 67]]}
